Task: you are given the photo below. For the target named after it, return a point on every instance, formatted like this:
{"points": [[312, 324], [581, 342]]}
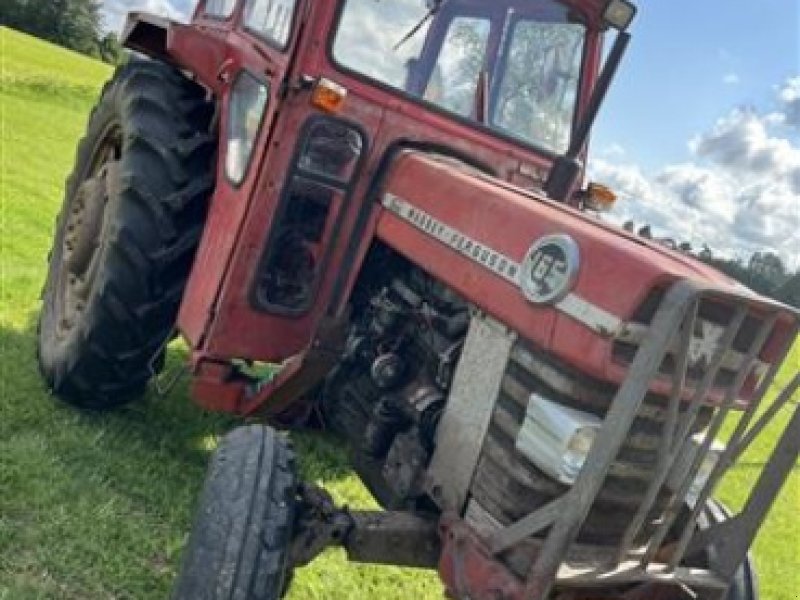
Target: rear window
{"points": [[270, 19], [220, 8]]}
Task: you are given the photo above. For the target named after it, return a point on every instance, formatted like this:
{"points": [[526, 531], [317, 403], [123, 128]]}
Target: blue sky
{"points": [[672, 85], [701, 132]]}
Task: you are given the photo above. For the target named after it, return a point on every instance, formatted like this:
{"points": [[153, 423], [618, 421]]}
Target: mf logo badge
{"points": [[704, 344], [550, 269]]}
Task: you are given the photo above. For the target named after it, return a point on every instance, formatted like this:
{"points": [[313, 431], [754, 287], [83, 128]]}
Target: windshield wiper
{"points": [[436, 5]]}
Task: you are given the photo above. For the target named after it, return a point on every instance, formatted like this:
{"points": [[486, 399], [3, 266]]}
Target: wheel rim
{"points": [[84, 228]]}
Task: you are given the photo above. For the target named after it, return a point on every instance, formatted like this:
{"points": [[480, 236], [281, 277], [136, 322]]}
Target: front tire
{"points": [[239, 545], [125, 240]]}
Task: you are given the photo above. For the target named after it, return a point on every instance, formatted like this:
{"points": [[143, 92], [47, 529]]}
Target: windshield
{"points": [[513, 66]]}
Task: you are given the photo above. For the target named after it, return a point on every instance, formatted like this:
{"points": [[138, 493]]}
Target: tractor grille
{"points": [[635, 512], [508, 486], [713, 315]]}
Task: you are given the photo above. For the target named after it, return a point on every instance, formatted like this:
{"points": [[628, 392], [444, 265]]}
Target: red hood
{"points": [[617, 270], [700, 270]]}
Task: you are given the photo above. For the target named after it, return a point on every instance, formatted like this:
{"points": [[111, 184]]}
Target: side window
{"points": [[270, 19], [220, 8]]}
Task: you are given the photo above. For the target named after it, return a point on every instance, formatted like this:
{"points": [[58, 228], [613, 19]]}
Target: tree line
{"points": [[74, 24]]}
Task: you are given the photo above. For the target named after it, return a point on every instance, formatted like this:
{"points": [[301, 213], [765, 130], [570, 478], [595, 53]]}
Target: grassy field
{"points": [[98, 506]]}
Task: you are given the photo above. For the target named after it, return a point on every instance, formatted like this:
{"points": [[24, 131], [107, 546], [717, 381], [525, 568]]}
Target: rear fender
{"points": [[183, 46], [147, 33]]}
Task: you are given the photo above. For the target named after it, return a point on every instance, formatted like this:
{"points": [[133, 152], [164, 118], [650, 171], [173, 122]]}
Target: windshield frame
{"points": [[582, 90]]}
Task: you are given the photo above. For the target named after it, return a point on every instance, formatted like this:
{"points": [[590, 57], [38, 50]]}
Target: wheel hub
{"points": [[83, 236]]}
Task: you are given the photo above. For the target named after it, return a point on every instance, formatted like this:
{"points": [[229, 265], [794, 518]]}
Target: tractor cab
{"points": [[317, 102]]}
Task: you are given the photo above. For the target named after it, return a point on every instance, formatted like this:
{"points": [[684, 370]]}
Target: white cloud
{"points": [[115, 11], [740, 193], [789, 97], [731, 79], [741, 142]]}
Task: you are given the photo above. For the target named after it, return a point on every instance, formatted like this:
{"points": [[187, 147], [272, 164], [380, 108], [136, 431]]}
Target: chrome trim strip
{"points": [[574, 306], [497, 262]]}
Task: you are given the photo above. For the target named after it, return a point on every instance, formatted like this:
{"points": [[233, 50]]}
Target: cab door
{"points": [[243, 51]]}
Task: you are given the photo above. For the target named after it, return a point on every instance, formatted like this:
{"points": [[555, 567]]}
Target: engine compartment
{"points": [[388, 393]]}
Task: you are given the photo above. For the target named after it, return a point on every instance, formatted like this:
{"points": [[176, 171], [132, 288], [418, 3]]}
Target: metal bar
{"points": [[630, 572], [760, 392], [617, 424], [679, 382], [716, 473], [764, 420], [739, 443], [722, 531], [466, 419], [526, 527], [393, 538], [711, 373], [732, 550], [676, 501], [667, 436]]}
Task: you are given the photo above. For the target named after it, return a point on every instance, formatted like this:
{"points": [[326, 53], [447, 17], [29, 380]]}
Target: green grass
{"points": [[98, 506]]}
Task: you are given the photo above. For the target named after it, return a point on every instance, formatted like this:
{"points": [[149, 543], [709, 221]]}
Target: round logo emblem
{"points": [[550, 269]]}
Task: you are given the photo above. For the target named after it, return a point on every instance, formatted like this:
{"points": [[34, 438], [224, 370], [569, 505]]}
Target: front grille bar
{"points": [[728, 458], [731, 394], [681, 458]]}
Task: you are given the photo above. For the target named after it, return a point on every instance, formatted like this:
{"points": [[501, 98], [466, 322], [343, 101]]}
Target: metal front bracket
{"points": [[466, 419]]}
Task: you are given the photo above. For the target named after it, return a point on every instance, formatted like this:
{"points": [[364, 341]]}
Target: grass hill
{"points": [[98, 506]]}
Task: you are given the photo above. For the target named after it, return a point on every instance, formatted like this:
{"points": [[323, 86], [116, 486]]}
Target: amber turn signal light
{"points": [[329, 95], [600, 197]]}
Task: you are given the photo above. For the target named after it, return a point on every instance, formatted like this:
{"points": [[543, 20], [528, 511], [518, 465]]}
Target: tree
{"points": [[111, 51], [74, 24], [768, 266]]}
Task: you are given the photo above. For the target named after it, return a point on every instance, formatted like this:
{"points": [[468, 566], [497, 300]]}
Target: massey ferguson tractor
{"points": [[370, 217]]}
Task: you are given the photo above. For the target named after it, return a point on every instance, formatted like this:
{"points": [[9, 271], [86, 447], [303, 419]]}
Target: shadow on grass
{"points": [[148, 439], [102, 501]]}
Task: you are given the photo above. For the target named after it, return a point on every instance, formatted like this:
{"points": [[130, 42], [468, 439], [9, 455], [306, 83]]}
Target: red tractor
{"points": [[368, 216]]}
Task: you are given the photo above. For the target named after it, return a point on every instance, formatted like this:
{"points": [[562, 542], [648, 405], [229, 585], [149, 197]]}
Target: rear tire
{"points": [[239, 545], [125, 240]]}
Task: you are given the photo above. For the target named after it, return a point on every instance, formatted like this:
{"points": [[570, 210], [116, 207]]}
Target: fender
{"points": [[186, 47]]}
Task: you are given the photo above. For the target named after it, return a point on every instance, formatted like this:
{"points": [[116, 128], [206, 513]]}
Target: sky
{"points": [[700, 135]]}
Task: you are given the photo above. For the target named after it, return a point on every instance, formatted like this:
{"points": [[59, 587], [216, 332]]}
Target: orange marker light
{"points": [[600, 197], [329, 96]]}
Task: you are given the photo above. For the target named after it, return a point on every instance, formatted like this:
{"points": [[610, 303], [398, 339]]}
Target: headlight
{"points": [[557, 439], [245, 113]]}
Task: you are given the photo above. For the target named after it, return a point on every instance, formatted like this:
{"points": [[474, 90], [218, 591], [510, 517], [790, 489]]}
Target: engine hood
{"points": [[475, 233]]}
